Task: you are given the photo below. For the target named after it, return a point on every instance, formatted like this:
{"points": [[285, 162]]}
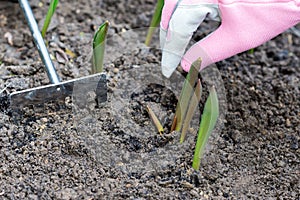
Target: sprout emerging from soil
{"points": [[207, 124], [155, 120], [49, 15], [185, 97], [99, 47], [188, 101], [195, 99], [155, 21]]}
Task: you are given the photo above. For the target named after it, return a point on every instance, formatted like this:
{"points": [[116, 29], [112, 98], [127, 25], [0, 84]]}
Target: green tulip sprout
{"points": [[99, 47], [49, 15], [155, 21], [187, 103], [207, 124], [195, 99], [186, 93]]}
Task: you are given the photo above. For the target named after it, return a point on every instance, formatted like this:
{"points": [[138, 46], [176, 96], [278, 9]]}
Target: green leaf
{"points": [[251, 51], [207, 124], [186, 93], [195, 99], [155, 21], [99, 47], [49, 15]]}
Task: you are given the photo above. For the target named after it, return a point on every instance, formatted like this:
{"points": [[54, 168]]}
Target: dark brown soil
{"points": [[112, 150]]}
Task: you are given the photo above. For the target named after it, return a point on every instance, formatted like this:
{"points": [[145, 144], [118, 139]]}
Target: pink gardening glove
{"points": [[245, 24]]}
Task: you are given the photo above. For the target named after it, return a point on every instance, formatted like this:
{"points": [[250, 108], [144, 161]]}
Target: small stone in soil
{"points": [[116, 70]]}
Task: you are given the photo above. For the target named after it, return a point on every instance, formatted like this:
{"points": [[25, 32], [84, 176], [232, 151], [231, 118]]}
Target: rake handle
{"points": [[39, 42]]}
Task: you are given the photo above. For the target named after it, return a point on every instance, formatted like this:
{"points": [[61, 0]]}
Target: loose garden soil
{"points": [[85, 150]]}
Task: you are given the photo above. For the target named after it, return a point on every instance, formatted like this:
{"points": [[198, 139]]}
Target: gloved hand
{"points": [[245, 24]]}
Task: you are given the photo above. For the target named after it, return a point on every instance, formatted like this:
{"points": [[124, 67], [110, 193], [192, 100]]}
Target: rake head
{"points": [[16, 101]]}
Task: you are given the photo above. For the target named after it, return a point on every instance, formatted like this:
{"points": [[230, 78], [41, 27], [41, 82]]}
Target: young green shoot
{"points": [[251, 51], [208, 121], [187, 103], [186, 93], [155, 21], [49, 15], [155, 120], [99, 48], [195, 99]]}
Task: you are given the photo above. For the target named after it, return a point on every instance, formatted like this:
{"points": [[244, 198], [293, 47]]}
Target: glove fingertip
{"points": [[169, 63], [185, 65], [166, 72]]}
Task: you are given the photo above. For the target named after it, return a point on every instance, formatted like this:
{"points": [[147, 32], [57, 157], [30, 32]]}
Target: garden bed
{"points": [[112, 150]]}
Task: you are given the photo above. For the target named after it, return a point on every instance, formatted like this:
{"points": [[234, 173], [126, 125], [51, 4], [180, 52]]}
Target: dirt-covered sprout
{"points": [[155, 120], [99, 48], [49, 15], [155, 21]]}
